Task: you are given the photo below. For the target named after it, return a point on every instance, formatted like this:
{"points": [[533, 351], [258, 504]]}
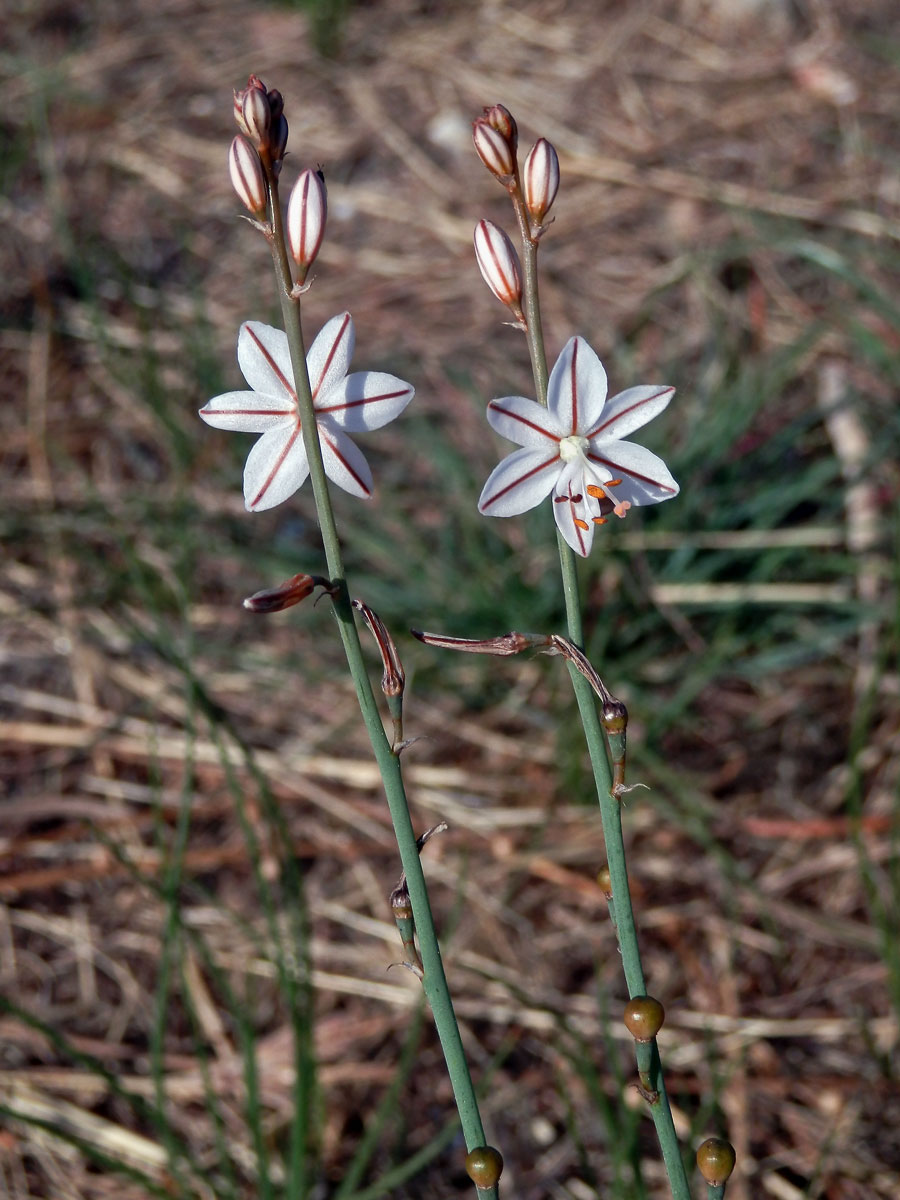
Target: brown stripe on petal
{"points": [[247, 412], [330, 408], [288, 383], [574, 387], [551, 462], [619, 469], [332, 443], [497, 407], [637, 404], [330, 358], [270, 478]]}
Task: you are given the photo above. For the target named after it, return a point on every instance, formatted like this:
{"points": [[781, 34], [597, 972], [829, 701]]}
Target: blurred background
{"points": [[195, 939]]}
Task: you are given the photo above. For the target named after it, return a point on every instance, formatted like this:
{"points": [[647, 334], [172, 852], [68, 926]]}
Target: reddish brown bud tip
{"points": [[247, 176], [540, 179], [484, 1166], [254, 84], [285, 595], [716, 1159], [498, 263], [500, 118], [644, 1018]]}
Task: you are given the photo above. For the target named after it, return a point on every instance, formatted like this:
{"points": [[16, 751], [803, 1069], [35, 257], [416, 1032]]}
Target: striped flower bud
{"points": [[247, 176], [257, 117], [493, 149], [306, 220], [254, 84], [498, 263], [540, 179]]}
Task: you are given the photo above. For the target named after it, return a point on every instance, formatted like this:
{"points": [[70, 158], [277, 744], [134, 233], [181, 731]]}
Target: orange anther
{"points": [[599, 520], [597, 492], [581, 524]]}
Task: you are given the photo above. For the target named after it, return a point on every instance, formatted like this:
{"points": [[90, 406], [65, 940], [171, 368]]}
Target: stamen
{"points": [[560, 499], [599, 520], [576, 499], [580, 524], [597, 492]]}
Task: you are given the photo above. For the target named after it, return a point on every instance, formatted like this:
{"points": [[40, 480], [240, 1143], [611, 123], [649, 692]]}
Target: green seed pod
{"points": [[604, 879], [716, 1159], [484, 1166], [643, 1018]]}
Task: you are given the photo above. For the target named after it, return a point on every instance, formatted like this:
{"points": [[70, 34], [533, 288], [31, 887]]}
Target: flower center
{"points": [[572, 447]]}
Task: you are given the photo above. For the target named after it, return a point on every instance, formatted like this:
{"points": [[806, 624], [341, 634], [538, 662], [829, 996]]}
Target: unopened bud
{"points": [[306, 220], [278, 136], [254, 84], [498, 263], [493, 149], [247, 176], [540, 179], [500, 118], [257, 117], [276, 103]]}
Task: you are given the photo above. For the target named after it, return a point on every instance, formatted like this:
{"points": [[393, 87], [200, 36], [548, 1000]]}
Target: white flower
{"points": [[573, 449], [277, 465]]}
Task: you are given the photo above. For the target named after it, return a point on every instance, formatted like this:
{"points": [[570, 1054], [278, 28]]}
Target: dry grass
{"points": [[764, 871]]}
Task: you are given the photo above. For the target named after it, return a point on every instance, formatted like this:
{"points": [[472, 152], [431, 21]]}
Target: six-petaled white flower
{"points": [[277, 465], [573, 449]]}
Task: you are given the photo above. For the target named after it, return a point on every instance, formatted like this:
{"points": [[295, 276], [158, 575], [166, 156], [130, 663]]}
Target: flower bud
{"points": [[306, 219], [498, 263], [493, 149], [278, 136], [254, 84], [540, 179], [247, 176], [500, 118], [257, 117]]}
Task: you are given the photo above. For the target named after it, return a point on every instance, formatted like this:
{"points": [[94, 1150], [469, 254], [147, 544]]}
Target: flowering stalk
{"points": [[575, 460], [317, 420]]}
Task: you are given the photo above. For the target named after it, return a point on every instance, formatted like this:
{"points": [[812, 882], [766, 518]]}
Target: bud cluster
{"points": [[254, 164], [259, 114], [533, 190]]}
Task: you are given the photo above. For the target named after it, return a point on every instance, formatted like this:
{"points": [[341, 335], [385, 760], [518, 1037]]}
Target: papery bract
{"points": [[277, 465], [573, 449]]}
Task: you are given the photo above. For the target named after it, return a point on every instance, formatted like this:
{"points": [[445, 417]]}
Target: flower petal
{"points": [[522, 480], [365, 400], [247, 412], [526, 422], [577, 388], [645, 477], [275, 468], [344, 461], [329, 355], [571, 509], [629, 411], [265, 360]]}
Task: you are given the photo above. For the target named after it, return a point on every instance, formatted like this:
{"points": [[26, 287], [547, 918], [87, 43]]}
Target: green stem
{"points": [[435, 984], [610, 809]]}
